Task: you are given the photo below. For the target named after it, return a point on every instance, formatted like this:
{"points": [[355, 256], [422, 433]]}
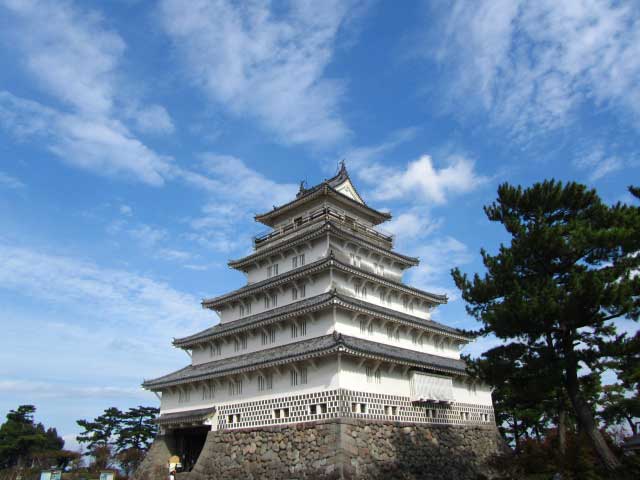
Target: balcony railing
{"points": [[321, 215]]}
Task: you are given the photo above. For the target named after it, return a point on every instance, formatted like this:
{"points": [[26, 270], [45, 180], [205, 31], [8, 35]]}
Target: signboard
{"points": [[51, 475], [107, 475]]}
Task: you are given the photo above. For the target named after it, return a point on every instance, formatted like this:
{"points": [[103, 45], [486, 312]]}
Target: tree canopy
{"points": [[553, 293]]}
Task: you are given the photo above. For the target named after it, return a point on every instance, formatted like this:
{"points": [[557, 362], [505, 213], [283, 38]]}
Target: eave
{"points": [[318, 231], [314, 267], [323, 189], [311, 305], [305, 350]]}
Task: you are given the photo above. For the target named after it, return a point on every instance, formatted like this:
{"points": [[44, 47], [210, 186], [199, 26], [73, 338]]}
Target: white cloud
{"points": [[437, 257], [147, 235], [236, 192], [116, 294], [422, 180], [47, 390], [126, 210], [152, 119], [74, 58], [9, 181], [411, 225], [265, 62], [533, 64], [598, 163]]}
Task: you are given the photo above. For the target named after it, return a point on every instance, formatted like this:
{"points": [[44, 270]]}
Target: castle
{"points": [[323, 347]]}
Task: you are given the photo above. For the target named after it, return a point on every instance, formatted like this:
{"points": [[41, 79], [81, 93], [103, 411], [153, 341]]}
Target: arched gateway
{"points": [[324, 365]]}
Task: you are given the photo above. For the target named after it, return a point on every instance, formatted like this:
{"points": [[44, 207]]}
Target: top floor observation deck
{"points": [[321, 215]]}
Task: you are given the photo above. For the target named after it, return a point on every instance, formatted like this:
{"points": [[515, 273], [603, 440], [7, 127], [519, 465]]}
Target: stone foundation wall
{"points": [[155, 463], [340, 449]]}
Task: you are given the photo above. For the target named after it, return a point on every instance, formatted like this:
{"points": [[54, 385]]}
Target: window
{"points": [[364, 292], [303, 375], [390, 332], [294, 293], [208, 392], [269, 335], [235, 418], [240, 342], [241, 310], [405, 303], [272, 270], [247, 308], [381, 296], [373, 376], [235, 387], [274, 299], [267, 302], [357, 289], [265, 382], [464, 415], [379, 269], [416, 338], [294, 377], [391, 410], [359, 407], [355, 260], [366, 326], [297, 261], [184, 396], [303, 291], [281, 413], [360, 290], [215, 350], [317, 409], [299, 329], [485, 417]]}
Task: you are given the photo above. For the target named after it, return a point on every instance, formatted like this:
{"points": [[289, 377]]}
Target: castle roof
{"points": [[318, 230], [310, 305], [319, 265], [308, 349], [338, 187]]}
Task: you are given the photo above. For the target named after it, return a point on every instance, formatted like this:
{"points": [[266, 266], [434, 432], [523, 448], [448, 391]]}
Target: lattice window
{"points": [[304, 375], [269, 335], [373, 376], [294, 293], [274, 299], [241, 311], [235, 387], [317, 409], [303, 291], [208, 392], [391, 410], [293, 374], [272, 270], [184, 396], [240, 342], [416, 338], [215, 349], [265, 382]]}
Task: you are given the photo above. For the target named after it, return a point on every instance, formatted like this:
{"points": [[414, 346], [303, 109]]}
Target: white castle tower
{"points": [[324, 329]]}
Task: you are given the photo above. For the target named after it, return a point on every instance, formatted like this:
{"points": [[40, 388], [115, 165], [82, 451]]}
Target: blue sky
{"points": [[137, 140]]}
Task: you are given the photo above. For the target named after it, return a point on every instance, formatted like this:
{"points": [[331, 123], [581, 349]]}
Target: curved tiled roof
{"points": [[306, 349], [310, 305], [325, 187], [319, 230], [319, 265]]}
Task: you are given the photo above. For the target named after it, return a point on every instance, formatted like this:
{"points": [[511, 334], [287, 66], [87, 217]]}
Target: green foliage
{"points": [[552, 294], [24, 443], [117, 436]]}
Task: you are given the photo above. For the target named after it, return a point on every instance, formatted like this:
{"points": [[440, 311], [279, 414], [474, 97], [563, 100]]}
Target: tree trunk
{"points": [[634, 427], [586, 422], [562, 432]]}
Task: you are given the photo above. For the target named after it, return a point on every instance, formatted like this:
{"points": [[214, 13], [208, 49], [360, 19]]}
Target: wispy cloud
{"points": [[265, 62], [420, 180], [74, 59], [236, 192], [534, 64], [598, 163], [9, 181]]}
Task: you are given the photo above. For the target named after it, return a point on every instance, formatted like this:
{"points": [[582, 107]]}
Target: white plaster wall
{"points": [[322, 325], [323, 377], [315, 285], [316, 251], [465, 393], [392, 299], [368, 258], [345, 323], [353, 377]]}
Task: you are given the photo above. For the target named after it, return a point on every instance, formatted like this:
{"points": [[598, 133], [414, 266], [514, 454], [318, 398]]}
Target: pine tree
{"points": [[568, 272]]}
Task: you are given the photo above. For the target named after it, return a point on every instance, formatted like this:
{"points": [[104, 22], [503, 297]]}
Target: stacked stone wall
{"points": [[344, 449]]}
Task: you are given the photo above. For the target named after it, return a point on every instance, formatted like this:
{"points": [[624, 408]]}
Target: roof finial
{"points": [[303, 187], [343, 166]]}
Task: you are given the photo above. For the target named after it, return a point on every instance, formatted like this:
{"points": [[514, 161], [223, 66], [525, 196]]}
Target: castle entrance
{"points": [[188, 443]]}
